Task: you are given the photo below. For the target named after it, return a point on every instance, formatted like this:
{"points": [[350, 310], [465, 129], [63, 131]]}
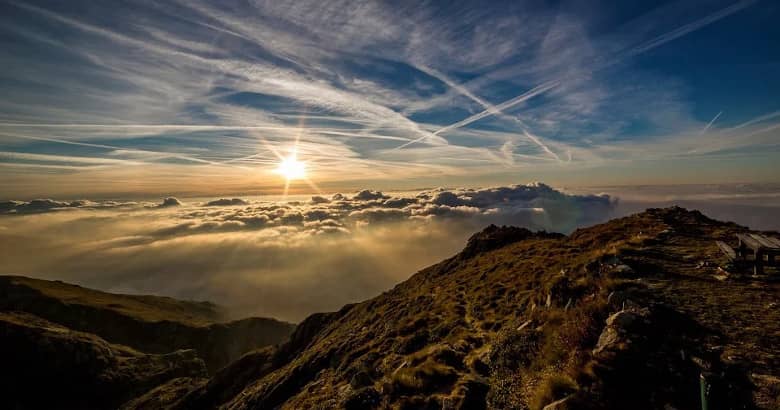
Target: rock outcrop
{"points": [[494, 237]]}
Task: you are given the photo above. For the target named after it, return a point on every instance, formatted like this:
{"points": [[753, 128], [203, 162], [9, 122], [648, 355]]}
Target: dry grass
{"points": [[426, 377], [143, 307], [552, 388]]}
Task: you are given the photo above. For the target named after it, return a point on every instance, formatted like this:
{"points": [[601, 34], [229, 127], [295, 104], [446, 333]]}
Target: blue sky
{"points": [[138, 97]]}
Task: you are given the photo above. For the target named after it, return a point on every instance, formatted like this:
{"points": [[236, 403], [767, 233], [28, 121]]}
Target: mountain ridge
{"points": [[152, 324], [631, 313], [533, 320]]}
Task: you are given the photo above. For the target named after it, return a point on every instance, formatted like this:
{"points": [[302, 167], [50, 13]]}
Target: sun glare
{"points": [[291, 168]]}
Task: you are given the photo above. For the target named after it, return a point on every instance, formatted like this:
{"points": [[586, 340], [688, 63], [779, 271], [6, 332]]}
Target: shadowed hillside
{"points": [[150, 324], [46, 365]]}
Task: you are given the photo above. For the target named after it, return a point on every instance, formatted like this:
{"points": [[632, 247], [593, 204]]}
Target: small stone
{"points": [[524, 325], [623, 270], [562, 404]]}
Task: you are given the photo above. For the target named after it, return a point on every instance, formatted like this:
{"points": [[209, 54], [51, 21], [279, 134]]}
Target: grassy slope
{"points": [[143, 307], [515, 327], [151, 324]]}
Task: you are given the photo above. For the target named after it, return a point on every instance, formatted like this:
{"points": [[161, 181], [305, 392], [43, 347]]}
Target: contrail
{"points": [[457, 87], [506, 104], [65, 158], [539, 143], [690, 27], [338, 132], [490, 108], [205, 127], [649, 45], [709, 124], [757, 120], [86, 144]]}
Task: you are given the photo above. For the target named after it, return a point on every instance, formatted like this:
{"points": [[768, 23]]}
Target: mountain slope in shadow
{"points": [[46, 365], [150, 324]]}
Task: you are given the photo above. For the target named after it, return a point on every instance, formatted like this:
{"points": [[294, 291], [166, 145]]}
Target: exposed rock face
{"points": [[623, 327], [494, 237], [46, 365]]}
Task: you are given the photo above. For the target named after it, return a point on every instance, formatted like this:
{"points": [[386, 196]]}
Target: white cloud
{"points": [[279, 259]]}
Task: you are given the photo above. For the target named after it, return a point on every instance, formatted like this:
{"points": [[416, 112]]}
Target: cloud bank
{"points": [[280, 259], [51, 205], [288, 259]]}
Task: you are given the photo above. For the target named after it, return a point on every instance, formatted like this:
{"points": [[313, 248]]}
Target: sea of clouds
{"points": [[280, 259]]}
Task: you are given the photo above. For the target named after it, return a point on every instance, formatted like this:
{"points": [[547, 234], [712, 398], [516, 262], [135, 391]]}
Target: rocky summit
{"points": [[642, 312]]}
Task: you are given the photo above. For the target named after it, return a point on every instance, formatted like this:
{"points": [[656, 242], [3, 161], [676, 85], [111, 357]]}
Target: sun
{"points": [[291, 168]]}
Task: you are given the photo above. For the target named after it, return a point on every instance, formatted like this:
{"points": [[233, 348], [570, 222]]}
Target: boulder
{"points": [[621, 329], [494, 237]]}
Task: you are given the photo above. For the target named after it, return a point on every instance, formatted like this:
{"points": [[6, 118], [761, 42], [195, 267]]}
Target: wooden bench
{"points": [[766, 241], [759, 246], [727, 250]]}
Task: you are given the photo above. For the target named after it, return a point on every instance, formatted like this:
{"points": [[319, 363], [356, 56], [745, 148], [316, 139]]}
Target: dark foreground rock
{"points": [[150, 324], [48, 366]]}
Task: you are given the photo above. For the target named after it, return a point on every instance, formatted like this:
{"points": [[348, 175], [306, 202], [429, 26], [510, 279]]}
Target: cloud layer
{"points": [[284, 259]]}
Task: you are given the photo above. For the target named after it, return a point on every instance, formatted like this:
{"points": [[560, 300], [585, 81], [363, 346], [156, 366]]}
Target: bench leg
{"points": [[758, 268], [742, 251]]}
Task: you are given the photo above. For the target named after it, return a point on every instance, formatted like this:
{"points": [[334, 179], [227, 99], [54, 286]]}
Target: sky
{"points": [[284, 158], [123, 99]]}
